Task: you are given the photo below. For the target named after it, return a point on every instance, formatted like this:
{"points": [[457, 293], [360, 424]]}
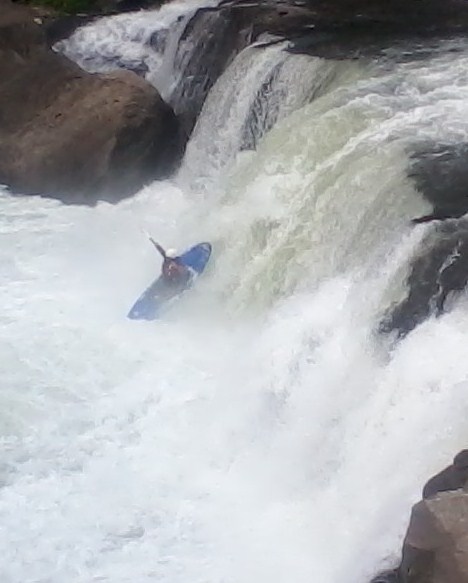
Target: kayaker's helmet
{"points": [[171, 253]]}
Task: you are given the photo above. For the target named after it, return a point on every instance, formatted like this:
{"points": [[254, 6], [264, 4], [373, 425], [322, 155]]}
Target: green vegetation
{"points": [[66, 6]]}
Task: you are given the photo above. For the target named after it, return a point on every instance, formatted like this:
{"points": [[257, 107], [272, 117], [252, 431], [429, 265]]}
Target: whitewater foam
{"points": [[263, 431]]}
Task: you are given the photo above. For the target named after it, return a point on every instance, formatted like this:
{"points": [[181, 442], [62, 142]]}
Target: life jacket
{"points": [[174, 272]]}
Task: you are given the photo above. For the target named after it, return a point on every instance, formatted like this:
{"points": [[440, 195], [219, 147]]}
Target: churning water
{"points": [[262, 431]]}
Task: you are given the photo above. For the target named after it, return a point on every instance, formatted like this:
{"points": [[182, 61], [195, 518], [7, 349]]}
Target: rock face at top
{"points": [[430, 15], [70, 134], [343, 29]]}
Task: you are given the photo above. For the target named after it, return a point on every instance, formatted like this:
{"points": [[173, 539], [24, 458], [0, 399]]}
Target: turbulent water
{"points": [[261, 431]]}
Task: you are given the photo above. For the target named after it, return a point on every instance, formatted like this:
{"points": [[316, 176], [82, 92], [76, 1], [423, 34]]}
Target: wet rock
{"points": [[435, 549], [452, 477], [76, 136], [398, 15], [158, 40], [440, 173], [439, 271], [343, 29]]}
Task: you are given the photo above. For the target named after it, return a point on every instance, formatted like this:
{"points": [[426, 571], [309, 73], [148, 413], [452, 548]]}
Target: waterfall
{"points": [[180, 48], [252, 95], [263, 430]]}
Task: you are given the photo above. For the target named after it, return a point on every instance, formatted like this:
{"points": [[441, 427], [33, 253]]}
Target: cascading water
{"points": [[239, 115], [262, 431], [180, 48], [145, 41]]}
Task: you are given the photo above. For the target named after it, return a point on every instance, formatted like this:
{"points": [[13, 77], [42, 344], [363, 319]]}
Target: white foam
{"points": [[262, 432]]}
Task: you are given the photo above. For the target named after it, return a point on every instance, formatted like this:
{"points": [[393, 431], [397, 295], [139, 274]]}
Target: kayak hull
{"points": [[160, 294]]}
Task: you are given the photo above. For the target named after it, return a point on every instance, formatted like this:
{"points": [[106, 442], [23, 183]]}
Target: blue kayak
{"points": [[159, 294]]}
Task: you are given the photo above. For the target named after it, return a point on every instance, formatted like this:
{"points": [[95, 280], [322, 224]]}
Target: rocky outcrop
{"points": [[440, 173], [73, 135], [440, 269], [435, 548], [438, 272], [453, 477], [350, 28]]}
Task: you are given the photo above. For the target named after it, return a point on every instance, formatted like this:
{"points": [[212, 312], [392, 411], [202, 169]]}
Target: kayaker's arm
{"points": [[158, 247]]}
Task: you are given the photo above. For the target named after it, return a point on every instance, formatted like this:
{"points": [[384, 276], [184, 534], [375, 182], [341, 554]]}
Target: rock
{"points": [[453, 477], [62, 26], [439, 271], [440, 173], [76, 136], [20, 34], [435, 549], [80, 137], [340, 29], [432, 15]]}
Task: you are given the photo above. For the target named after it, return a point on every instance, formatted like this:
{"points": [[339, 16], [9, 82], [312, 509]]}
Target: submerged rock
{"points": [[73, 135]]}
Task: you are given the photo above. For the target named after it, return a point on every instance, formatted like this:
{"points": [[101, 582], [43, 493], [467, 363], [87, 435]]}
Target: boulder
{"points": [[73, 135], [435, 549], [452, 477]]}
